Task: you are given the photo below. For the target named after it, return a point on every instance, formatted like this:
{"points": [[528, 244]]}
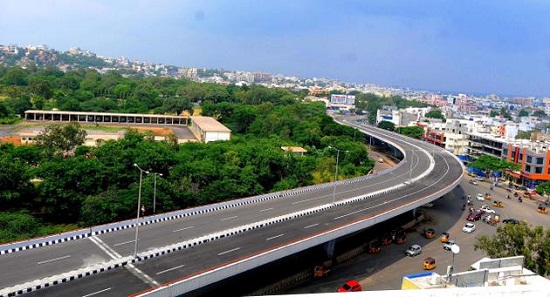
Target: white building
{"points": [[207, 129]]}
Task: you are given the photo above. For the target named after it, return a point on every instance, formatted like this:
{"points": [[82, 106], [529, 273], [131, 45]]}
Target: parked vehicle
{"points": [[444, 237], [473, 182], [374, 247], [486, 209], [474, 216], [497, 203], [320, 271], [511, 221], [428, 233], [480, 197], [413, 250], [448, 245], [429, 263], [542, 209], [469, 228], [350, 286]]}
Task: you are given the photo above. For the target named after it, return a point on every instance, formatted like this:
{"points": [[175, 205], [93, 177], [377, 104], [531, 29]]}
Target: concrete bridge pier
{"points": [[329, 248]]}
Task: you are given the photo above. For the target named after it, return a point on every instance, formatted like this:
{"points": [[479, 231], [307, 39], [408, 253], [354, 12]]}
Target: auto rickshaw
{"points": [[542, 209], [497, 203], [444, 237], [428, 233], [374, 247], [488, 196], [429, 263], [320, 271], [400, 237], [386, 239]]}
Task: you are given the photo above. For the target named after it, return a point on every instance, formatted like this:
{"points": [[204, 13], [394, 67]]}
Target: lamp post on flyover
{"points": [[335, 171], [155, 191], [141, 171]]}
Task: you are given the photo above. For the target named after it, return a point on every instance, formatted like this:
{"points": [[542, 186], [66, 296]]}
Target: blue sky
{"points": [[475, 46]]}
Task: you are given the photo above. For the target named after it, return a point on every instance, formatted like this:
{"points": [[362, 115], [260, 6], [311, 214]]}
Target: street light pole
{"points": [[155, 191], [141, 171], [335, 172], [455, 249]]}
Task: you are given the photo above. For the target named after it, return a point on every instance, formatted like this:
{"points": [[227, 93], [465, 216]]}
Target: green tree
{"points": [[539, 113], [411, 131], [524, 134], [61, 138], [519, 240], [435, 114], [544, 188], [523, 113], [387, 125], [15, 186]]}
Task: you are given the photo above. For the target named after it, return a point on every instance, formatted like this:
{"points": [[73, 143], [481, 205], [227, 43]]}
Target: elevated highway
{"points": [[186, 253]]}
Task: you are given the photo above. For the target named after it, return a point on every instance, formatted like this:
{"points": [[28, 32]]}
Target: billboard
{"points": [[342, 99]]}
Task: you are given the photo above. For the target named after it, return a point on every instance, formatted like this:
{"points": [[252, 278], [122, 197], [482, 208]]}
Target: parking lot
{"points": [[383, 271]]}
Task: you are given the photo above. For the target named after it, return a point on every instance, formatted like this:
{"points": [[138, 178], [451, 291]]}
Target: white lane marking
{"points": [[123, 243], [307, 200], [229, 251], [95, 293], [306, 227], [170, 269], [52, 260], [113, 254], [276, 236], [178, 230], [103, 246], [266, 209], [225, 219]]}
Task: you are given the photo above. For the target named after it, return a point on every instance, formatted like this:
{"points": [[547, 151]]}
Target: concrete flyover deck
{"points": [[289, 222]]}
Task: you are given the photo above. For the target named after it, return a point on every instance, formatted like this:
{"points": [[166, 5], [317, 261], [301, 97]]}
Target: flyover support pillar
{"points": [[329, 248]]}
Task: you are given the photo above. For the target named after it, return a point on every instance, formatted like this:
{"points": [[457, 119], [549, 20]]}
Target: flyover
{"points": [[209, 245]]}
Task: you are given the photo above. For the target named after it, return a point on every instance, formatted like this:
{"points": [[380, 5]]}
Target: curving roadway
{"points": [[441, 170]]}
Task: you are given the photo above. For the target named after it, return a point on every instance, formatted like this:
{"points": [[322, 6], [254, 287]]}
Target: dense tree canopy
{"points": [[435, 114], [516, 240], [387, 125], [94, 185], [411, 131]]}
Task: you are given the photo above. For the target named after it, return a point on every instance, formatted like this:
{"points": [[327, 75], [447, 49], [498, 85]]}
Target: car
{"points": [[448, 245], [469, 227], [474, 216], [350, 286], [480, 178], [413, 250], [473, 182], [511, 221], [480, 197], [486, 209]]}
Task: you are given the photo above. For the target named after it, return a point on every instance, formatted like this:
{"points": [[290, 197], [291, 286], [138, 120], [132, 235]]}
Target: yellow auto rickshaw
{"points": [[444, 237], [542, 209], [488, 196], [429, 263], [497, 203], [428, 233]]}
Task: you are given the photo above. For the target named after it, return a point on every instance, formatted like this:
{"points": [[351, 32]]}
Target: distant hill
{"points": [[75, 58]]}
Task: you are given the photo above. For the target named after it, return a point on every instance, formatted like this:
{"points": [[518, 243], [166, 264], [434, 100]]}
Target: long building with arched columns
{"points": [[104, 117]]}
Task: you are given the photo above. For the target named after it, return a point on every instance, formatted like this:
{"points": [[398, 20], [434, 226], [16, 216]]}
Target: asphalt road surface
{"points": [[31, 264], [385, 270]]}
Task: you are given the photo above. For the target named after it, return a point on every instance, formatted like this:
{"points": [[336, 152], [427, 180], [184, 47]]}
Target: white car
{"points": [[448, 245], [413, 250], [486, 209], [480, 197], [469, 228]]}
